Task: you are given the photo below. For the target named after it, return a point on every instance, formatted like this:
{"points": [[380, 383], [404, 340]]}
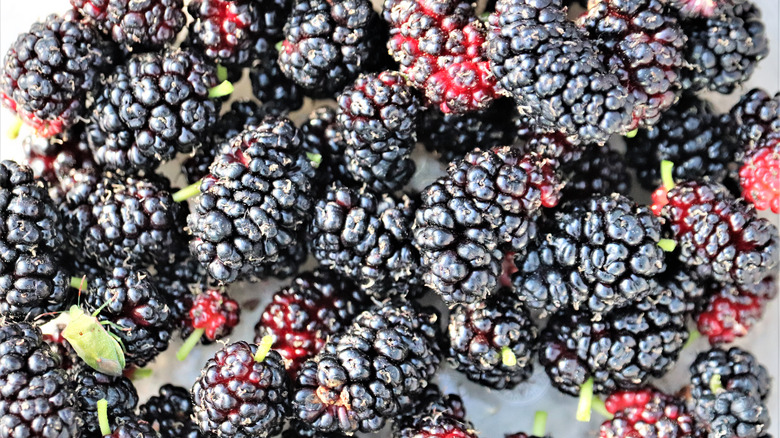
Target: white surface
{"points": [[493, 412]]}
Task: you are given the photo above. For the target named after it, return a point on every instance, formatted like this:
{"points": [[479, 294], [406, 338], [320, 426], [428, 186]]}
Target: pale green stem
{"points": [[187, 192], [666, 174], [220, 90], [586, 400], [264, 347], [540, 423], [102, 412], [189, 344]]}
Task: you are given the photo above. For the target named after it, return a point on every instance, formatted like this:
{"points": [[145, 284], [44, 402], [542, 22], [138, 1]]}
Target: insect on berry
{"points": [[94, 344]]}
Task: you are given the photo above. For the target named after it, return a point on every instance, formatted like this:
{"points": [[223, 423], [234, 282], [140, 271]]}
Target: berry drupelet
{"points": [[303, 316], [647, 413], [225, 31], [642, 43], [242, 115], [756, 118], [723, 50], [595, 254], [33, 280], [170, 412], [91, 386], [623, 349], [378, 115], [371, 372], [367, 238], [155, 105], [440, 47], [36, 399], [718, 237], [134, 304], [49, 72], [600, 171], [278, 93], [52, 159], [493, 342], [254, 202], [451, 136], [730, 312], [692, 136], [531, 42], [137, 25], [433, 425], [123, 221], [327, 44], [728, 391], [459, 249], [242, 392], [133, 427]]}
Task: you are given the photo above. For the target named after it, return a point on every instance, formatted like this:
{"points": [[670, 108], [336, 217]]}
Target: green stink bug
{"points": [[95, 345]]}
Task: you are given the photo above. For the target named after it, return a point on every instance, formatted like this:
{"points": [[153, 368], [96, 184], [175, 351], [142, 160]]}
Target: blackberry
{"points": [[642, 43], [299, 429], [728, 393], [145, 25], [287, 264], [134, 428], [431, 425], [378, 115], [692, 136], [493, 342], [730, 312], [254, 202], [60, 346], [323, 136], [177, 284], [367, 238], [757, 118], [36, 399], [170, 413], [213, 316], [49, 72], [723, 50], [142, 122], [242, 378], [459, 249], [759, 176], [623, 349], [327, 44], [451, 136], [51, 159], [123, 221], [600, 171], [718, 237], [646, 413], [302, 316], [529, 42], [596, 254], [225, 31], [242, 115], [555, 146], [33, 281], [278, 93], [433, 400], [440, 47], [372, 372], [91, 386], [134, 304]]}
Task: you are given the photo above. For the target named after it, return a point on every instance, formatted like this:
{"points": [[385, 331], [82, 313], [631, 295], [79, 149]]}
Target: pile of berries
{"points": [[526, 246]]}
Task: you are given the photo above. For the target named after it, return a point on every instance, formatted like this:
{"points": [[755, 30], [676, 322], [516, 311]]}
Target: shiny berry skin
{"points": [[647, 413], [213, 311], [730, 312], [170, 413], [759, 176]]}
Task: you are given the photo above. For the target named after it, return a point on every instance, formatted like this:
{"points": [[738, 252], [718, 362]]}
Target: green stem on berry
{"points": [[508, 357], [316, 159], [666, 174], [187, 192], [222, 73], [716, 385], [189, 344], [693, 336], [599, 406], [79, 283], [102, 412], [586, 400], [668, 245], [540, 423], [16, 126], [221, 90], [141, 373], [264, 347], [632, 134], [278, 46]]}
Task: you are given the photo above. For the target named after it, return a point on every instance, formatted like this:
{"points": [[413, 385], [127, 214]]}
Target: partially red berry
{"points": [[214, 312], [440, 46], [646, 413], [731, 312], [660, 199], [760, 176]]}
